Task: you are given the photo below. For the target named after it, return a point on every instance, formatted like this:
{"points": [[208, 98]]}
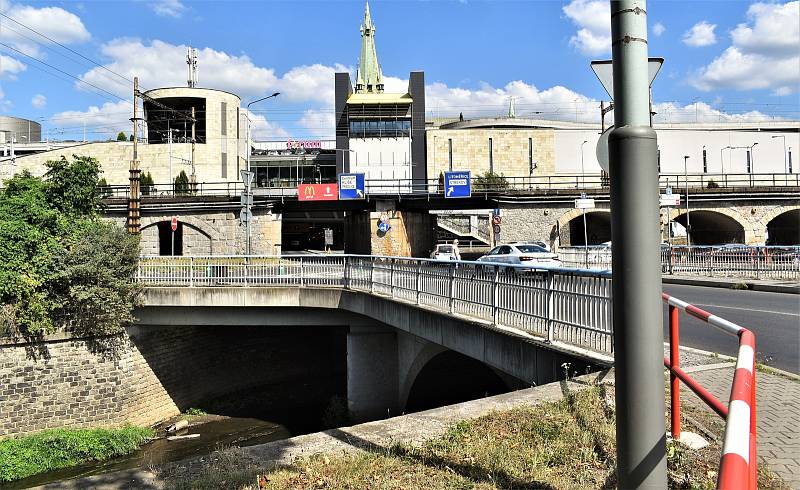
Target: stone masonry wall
{"points": [[156, 373]]}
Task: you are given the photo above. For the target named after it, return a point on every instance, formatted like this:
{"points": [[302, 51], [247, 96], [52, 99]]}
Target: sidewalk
{"points": [[790, 286], [778, 414]]}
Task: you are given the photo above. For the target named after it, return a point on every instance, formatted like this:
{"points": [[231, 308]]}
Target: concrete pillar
{"points": [[411, 233], [372, 391]]}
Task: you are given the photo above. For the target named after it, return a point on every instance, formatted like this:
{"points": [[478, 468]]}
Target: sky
{"points": [[725, 60]]}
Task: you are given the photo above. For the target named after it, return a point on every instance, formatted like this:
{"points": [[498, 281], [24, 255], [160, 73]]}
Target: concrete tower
{"points": [[369, 78]]}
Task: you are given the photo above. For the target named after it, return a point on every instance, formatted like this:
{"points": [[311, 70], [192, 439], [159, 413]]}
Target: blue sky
{"points": [[725, 60]]}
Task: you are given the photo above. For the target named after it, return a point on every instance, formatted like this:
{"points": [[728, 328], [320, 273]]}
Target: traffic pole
{"points": [[636, 285]]}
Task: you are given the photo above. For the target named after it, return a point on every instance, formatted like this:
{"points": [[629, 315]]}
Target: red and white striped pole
{"points": [[674, 382]]}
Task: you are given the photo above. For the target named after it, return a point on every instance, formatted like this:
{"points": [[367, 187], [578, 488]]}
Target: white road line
{"points": [[748, 309]]}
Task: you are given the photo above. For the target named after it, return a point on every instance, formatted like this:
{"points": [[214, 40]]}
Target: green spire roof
{"points": [[369, 78]]}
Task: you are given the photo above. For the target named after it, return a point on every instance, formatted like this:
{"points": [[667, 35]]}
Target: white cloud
{"points": [[262, 129], [310, 82], [101, 122], [168, 8], [39, 101], [593, 18], [701, 34], [658, 29], [54, 22], [702, 112], [319, 123], [763, 55], [10, 67]]}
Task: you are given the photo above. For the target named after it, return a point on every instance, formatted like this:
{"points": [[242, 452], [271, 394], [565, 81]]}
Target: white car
{"points": [[533, 242], [521, 254], [443, 252]]}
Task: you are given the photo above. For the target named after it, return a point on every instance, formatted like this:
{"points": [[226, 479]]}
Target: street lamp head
{"points": [[754, 144], [275, 94]]}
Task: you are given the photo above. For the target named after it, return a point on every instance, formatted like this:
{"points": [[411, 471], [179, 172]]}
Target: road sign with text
{"points": [[317, 192], [457, 184], [351, 186]]}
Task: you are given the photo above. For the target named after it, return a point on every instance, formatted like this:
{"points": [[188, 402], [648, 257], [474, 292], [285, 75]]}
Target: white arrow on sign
{"points": [[605, 72], [450, 191]]}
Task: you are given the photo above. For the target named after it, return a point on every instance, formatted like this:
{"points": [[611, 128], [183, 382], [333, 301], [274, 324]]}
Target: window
{"points": [[749, 165], [705, 162], [224, 165], [658, 159], [530, 156], [504, 250], [531, 249], [224, 118], [790, 160], [491, 158], [450, 154]]}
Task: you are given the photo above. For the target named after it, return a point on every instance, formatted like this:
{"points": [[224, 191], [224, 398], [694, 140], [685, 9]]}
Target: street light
{"points": [[583, 175], [686, 179], [721, 160], [752, 158], [785, 165], [250, 180]]}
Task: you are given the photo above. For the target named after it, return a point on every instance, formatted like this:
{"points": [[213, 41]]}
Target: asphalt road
{"points": [[773, 317]]}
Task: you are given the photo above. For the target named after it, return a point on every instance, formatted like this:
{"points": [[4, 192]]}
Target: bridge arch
{"points": [[464, 377], [193, 236], [716, 226], [783, 226], [598, 227]]}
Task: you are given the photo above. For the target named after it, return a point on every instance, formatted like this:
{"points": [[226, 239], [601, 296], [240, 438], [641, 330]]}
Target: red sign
{"points": [[295, 144], [317, 192], [174, 223]]}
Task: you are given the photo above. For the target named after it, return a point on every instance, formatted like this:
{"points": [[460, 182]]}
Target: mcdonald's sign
{"points": [[317, 192]]}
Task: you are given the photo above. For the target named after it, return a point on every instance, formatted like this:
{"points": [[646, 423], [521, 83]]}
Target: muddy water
{"points": [[215, 432]]}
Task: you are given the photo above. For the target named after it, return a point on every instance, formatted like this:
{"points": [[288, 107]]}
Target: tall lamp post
{"points": [[249, 150], [753, 158], [721, 160], [686, 180], [583, 174]]}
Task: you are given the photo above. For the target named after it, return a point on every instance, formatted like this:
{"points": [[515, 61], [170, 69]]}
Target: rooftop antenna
{"points": [[191, 67]]}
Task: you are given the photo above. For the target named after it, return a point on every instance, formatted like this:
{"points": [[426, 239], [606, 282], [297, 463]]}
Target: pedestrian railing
{"points": [[558, 305], [738, 466], [773, 262]]}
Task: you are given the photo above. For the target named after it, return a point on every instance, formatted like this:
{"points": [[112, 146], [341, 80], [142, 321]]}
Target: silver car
{"points": [[521, 254]]}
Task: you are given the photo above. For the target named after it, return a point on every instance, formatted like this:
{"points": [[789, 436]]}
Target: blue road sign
{"points": [[457, 184], [383, 226], [351, 186]]}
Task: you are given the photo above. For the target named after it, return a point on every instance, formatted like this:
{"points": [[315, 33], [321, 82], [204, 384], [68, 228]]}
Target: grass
{"points": [[568, 444], [194, 412], [60, 448]]}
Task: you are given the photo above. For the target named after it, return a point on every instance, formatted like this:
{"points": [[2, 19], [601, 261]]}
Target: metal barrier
{"points": [[739, 465], [559, 305], [773, 262]]}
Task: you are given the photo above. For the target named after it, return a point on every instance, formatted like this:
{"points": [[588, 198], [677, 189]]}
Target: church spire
{"points": [[369, 78]]}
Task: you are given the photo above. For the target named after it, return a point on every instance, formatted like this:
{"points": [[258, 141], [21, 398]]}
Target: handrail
{"points": [[738, 466]]}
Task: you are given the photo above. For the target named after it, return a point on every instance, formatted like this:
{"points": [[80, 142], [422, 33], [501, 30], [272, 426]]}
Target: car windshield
{"points": [[530, 249], [445, 249]]}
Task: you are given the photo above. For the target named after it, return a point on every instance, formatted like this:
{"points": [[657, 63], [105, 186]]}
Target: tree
{"points": [[181, 183], [71, 187], [490, 182], [131, 137], [121, 136], [146, 183]]}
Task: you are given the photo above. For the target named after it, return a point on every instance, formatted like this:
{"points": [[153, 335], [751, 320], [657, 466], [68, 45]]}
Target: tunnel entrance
{"points": [[450, 378], [302, 231], [711, 228], [598, 229], [166, 246], [784, 229]]}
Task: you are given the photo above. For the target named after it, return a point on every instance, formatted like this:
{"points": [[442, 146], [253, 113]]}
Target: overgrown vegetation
{"points": [[195, 412], [60, 448], [568, 444], [146, 183], [60, 265], [489, 182], [182, 183], [712, 184]]}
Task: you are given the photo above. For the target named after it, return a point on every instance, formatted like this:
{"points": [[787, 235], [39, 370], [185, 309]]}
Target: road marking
{"points": [[747, 309]]}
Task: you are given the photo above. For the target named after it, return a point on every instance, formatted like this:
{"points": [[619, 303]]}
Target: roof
{"points": [[382, 98]]}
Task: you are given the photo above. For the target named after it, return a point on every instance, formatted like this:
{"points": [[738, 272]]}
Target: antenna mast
{"points": [[191, 67]]}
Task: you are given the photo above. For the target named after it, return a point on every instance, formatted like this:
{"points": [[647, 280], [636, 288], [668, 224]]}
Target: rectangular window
{"points": [[224, 119], [658, 159], [491, 157], [749, 168], [450, 154], [530, 156], [790, 161], [705, 163], [224, 165]]}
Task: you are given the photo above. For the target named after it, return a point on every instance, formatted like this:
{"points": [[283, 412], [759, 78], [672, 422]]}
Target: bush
{"points": [[60, 448], [146, 183], [712, 184], [490, 182], [121, 136], [181, 183]]}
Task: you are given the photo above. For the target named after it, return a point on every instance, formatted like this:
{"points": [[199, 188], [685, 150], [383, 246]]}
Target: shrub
{"points": [[181, 183], [712, 184], [490, 182], [146, 183]]}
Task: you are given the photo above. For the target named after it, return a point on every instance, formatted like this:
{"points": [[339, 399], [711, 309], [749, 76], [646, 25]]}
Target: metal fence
{"points": [[559, 305], [773, 262]]}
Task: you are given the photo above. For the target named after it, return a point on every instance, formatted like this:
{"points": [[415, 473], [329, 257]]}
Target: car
{"points": [[443, 252], [521, 254], [539, 243]]}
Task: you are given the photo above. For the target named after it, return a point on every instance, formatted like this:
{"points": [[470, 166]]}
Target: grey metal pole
{"points": [[686, 182], [636, 285]]}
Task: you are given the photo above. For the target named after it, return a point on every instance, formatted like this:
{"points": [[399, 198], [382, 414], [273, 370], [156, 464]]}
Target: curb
{"points": [[716, 283]]}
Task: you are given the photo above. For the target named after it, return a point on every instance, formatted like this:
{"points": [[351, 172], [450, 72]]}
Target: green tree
{"points": [[181, 183], [490, 182], [121, 136], [146, 183], [71, 186]]}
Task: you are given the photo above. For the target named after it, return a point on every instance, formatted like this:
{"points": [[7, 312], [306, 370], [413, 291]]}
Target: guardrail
{"points": [[739, 464], [567, 306], [496, 185], [771, 262]]}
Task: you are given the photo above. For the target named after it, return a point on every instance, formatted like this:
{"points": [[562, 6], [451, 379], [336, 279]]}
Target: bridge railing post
{"points": [[451, 288], [191, 272], [302, 273], [346, 273], [391, 278], [246, 270], [372, 275], [550, 303], [419, 280], [495, 295]]}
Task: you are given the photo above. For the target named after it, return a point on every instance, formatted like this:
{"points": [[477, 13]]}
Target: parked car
{"points": [[539, 243], [443, 252], [521, 254]]}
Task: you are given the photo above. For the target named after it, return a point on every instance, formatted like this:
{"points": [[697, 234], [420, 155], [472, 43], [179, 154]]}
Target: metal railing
{"points": [[501, 185], [558, 305], [759, 262], [463, 226], [738, 466]]}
